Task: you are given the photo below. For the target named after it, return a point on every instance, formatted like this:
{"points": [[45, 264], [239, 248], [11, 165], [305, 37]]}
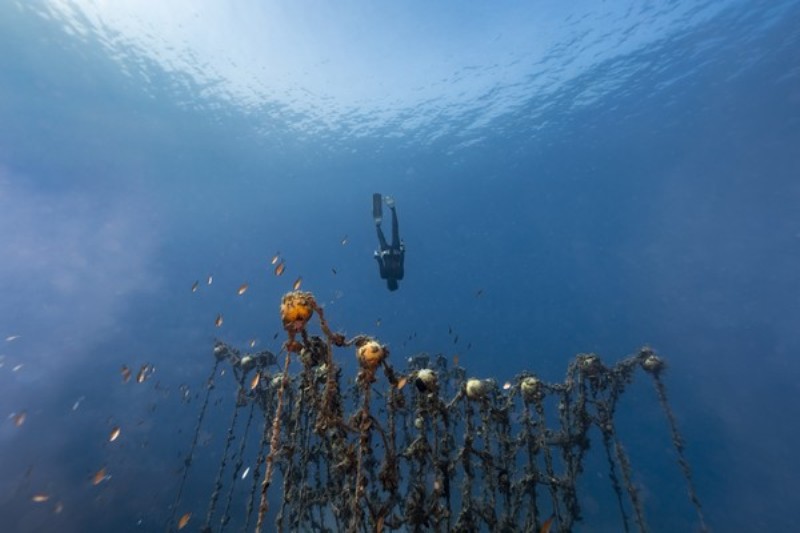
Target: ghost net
{"points": [[425, 449]]}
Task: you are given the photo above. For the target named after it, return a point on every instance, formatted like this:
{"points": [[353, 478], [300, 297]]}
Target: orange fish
{"points": [[280, 268], [20, 417], [114, 434], [184, 520], [401, 382], [99, 476], [40, 498], [126, 373], [218, 321], [242, 289], [547, 524], [297, 283], [256, 379]]}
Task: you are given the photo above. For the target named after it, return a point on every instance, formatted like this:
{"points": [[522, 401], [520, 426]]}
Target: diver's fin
{"points": [[377, 207]]}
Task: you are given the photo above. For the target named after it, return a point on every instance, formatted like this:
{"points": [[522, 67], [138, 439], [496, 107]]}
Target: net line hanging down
{"points": [[423, 449]]}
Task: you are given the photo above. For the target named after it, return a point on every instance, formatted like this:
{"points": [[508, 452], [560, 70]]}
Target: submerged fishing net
{"points": [[422, 449]]}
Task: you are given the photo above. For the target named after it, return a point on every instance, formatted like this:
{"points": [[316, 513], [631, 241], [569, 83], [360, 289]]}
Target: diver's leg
{"points": [[382, 238], [377, 208], [395, 230]]}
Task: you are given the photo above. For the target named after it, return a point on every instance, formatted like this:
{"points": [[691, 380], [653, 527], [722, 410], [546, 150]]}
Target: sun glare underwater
{"points": [[592, 319]]}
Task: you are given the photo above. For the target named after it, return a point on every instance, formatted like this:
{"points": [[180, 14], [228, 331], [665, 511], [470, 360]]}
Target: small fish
{"points": [[126, 374], [100, 476], [547, 524], [455, 339], [256, 379], [297, 283], [402, 382], [195, 285], [114, 434], [78, 403], [20, 417], [218, 321], [275, 258], [11, 338], [275, 336], [506, 385], [378, 322], [184, 520], [242, 289], [144, 373], [252, 343], [40, 497], [280, 268], [59, 507], [246, 471], [334, 271], [17, 368], [455, 360], [479, 293], [344, 240]]}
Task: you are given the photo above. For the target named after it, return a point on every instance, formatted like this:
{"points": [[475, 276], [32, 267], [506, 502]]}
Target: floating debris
{"points": [[12, 338], [126, 373], [114, 434], [184, 520], [40, 497], [79, 400], [218, 321], [100, 476], [297, 283], [19, 418], [242, 289], [246, 471], [195, 285], [280, 268]]}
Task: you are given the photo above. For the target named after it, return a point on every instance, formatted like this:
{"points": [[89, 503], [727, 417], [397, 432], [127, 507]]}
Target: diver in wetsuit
{"points": [[390, 258]]}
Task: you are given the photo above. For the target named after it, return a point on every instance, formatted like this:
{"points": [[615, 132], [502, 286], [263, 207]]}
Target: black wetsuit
{"points": [[390, 258]]}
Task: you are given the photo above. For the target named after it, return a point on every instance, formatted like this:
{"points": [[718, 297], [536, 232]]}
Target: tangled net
{"points": [[426, 450]]}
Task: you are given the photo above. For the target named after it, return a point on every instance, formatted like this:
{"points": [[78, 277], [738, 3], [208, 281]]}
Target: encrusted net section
{"points": [[422, 449]]}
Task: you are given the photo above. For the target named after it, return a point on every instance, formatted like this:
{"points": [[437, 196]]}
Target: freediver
{"points": [[390, 258]]}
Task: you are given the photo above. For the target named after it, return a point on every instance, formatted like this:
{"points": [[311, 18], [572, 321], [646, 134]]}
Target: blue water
{"points": [[568, 179]]}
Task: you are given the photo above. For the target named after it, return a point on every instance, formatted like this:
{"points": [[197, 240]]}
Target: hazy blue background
{"points": [[607, 174]]}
